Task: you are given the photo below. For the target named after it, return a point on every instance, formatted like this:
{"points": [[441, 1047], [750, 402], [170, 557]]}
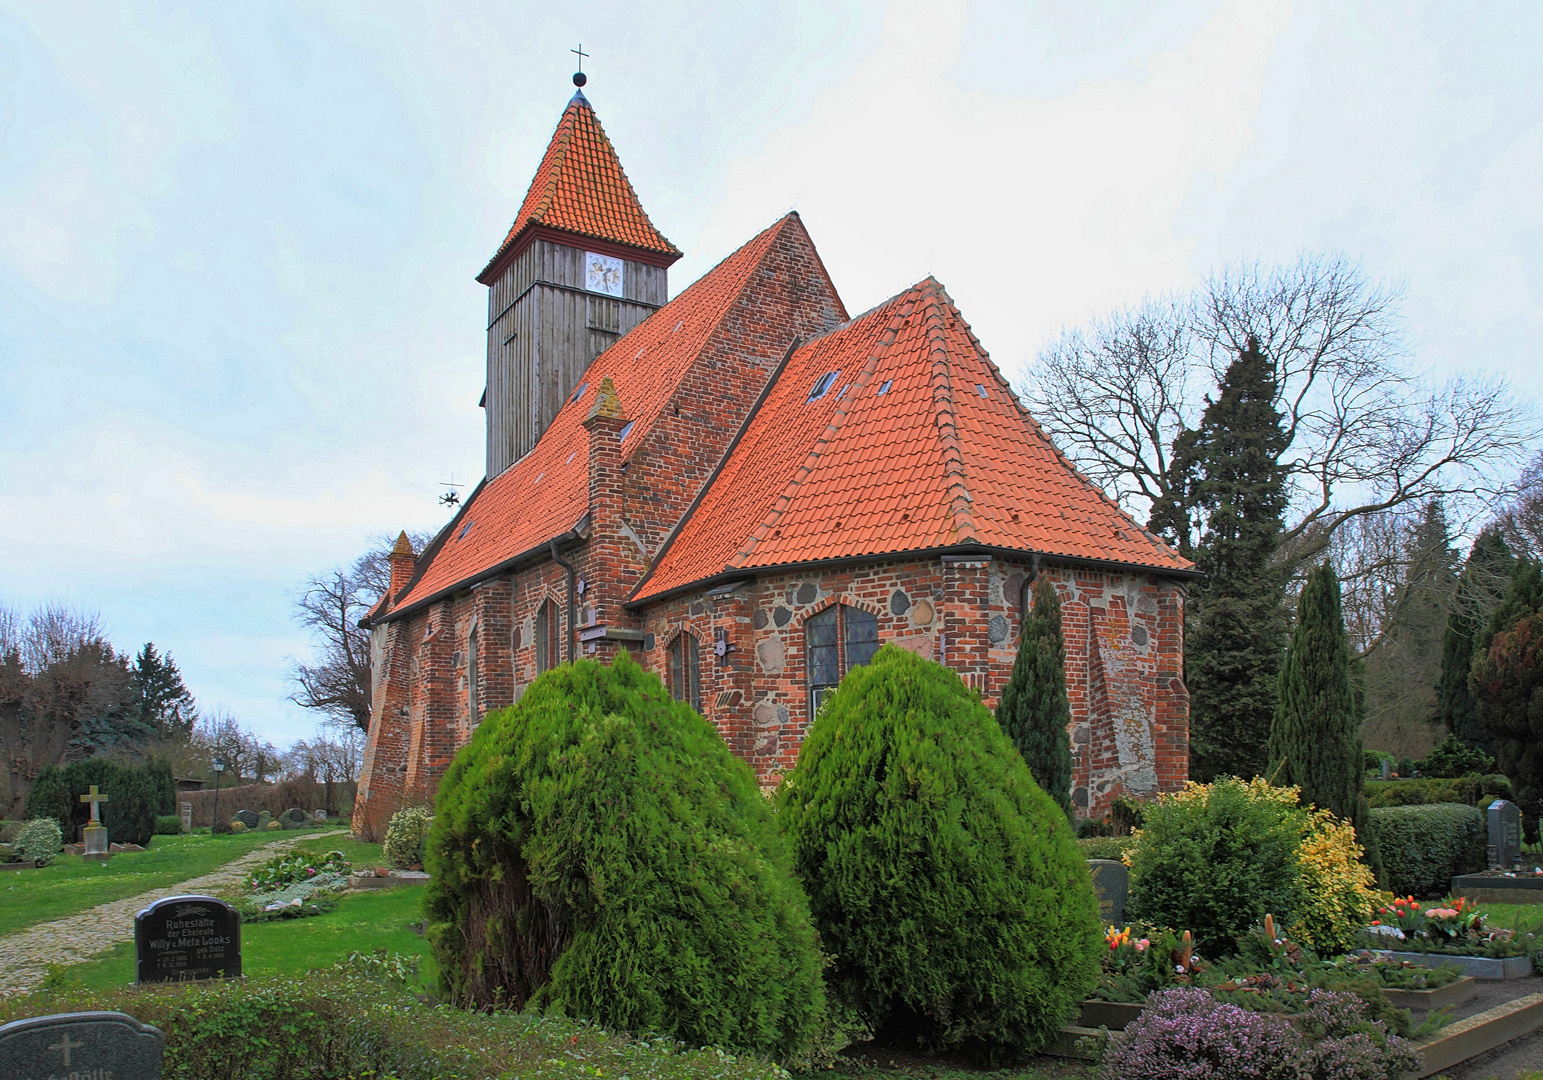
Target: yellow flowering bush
{"points": [[1340, 890]]}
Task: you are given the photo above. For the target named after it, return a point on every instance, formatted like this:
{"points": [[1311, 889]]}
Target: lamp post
{"points": [[218, 765]]}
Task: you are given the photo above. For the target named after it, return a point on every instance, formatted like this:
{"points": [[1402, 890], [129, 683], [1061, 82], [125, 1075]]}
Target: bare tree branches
{"points": [[1365, 435]]}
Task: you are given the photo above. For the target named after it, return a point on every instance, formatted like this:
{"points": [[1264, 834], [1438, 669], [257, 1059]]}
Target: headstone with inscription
{"points": [[1505, 834], [249, 818], [319, 815], [1111, 882], [80, 1046], [187, 937], [187, 817], [294, 818]]}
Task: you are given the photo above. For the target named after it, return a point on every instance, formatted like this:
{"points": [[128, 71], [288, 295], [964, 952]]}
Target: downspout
{"points": [[572, 596], [1028, 584]]}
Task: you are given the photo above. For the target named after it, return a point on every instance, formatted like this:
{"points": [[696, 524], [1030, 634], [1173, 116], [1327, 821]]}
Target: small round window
{"points": [[822, 387]]}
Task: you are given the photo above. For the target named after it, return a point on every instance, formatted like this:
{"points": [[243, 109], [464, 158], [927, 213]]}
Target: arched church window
{"points": [[546, 637], [686, 671], [837, 640]]}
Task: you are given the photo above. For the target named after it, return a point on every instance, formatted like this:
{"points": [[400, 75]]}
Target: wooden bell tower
{"points": [[581, 266]]}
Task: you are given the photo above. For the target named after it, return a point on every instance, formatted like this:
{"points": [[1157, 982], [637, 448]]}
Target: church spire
{"points": [[581, 189]]}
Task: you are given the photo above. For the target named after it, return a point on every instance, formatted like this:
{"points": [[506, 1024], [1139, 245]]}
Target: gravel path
{"points": [[25, 954]]}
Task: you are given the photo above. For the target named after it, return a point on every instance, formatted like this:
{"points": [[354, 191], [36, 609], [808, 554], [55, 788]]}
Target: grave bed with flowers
{"points": [[295, 886], [1453, 931]]}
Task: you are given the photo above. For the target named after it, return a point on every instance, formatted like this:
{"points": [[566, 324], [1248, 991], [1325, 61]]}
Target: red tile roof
{"points": [[580, 187], [546, 493], [918, 444]]}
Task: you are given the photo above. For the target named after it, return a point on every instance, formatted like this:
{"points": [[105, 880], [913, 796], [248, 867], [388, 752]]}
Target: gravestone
{"points": [[1111, 883], [319, 815], [80, 1046], [263, 818], [94, 834], [187, 937], [249, 818], [1505, 834], [187, 817], [294, 818]]}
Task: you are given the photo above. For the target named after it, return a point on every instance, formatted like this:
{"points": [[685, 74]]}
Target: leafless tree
{"points": [[337, 682], [63, 693], [1521, 522], [1365, 434], [221, 735]]}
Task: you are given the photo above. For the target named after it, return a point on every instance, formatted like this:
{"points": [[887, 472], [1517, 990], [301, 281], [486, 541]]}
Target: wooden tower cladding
{"points": [[580, 267]]}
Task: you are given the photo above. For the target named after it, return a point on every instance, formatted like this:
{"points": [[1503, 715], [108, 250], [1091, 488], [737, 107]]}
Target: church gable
{"points": [[893, 434]]}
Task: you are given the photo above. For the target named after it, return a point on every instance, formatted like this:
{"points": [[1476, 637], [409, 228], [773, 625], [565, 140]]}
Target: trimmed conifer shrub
{"points": [[1315, 741], [1507, 684], [1034, 711], [598, 851], [947, 887]]}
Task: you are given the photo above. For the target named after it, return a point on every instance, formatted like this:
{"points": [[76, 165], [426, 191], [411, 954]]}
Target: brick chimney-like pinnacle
{"points": [[402, 560]]}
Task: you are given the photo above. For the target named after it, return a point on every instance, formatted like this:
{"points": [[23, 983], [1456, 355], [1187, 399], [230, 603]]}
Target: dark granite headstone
{"points": [[1505, 834], [80, 1046], [187, 937], [1111, 881], [249, 818], [294, 818]]}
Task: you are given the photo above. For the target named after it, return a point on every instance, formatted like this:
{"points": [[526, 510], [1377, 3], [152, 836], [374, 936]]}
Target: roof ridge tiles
{"points": [[838, 417], [944, 418]]}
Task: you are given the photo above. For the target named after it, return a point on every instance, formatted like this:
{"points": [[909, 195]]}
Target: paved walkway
{"points": [[25, 954]]}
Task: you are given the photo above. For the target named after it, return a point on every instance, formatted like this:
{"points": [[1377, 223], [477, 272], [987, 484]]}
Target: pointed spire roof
{"points": [[581, 188], [895, 433]]}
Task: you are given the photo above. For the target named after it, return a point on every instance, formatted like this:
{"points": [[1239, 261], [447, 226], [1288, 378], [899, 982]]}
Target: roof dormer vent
{"points": [[822, 387]]}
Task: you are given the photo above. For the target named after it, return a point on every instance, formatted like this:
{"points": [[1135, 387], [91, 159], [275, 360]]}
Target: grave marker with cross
{"points": [[95, 834]]}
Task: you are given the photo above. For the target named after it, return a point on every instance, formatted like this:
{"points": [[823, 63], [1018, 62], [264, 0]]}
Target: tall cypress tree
{"points": [[1507, 684], [1314, 738], [1236, 622], [1034, 711], [1486, 571]]}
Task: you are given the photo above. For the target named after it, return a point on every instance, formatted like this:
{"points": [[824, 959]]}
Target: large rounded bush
{"points": [[947, 887], [598, 850], [1215, 859], [39, 841]]}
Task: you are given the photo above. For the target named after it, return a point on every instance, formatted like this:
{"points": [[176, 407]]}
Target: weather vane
{"points": [[579, 78], [451, 497]]}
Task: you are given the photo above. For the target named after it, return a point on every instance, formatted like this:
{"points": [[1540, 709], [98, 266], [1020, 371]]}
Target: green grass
{"points": [[361, 922], [1523, 918], [69, 884]]}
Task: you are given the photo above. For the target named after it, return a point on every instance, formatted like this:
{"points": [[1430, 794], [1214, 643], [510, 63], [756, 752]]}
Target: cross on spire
{"points": [[579, 78]]}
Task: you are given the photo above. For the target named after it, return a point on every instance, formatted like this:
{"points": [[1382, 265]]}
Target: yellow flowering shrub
{"points": [[1340, 890]]}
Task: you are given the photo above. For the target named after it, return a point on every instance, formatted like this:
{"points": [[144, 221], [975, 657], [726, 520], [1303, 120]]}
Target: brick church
{"points": [[751, 490]]}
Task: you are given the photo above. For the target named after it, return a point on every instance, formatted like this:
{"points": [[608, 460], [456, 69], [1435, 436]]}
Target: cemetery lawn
{"points": [[1523, 918], [362, 922], [69, 885]]}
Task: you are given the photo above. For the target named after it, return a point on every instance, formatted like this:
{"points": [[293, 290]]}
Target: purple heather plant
{"points": [[1185, 1034]]}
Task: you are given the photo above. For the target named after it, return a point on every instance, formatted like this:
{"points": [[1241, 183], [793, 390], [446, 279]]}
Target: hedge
{"points": [[136, 795], [1473, 790], [1424, 847], [331, 1026]]}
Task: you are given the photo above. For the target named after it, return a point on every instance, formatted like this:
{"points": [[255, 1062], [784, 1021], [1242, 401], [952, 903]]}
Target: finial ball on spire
{"points": [[579, 78]]}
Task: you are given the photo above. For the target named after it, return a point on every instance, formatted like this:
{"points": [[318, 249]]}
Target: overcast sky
{"points": [[239, 331]]}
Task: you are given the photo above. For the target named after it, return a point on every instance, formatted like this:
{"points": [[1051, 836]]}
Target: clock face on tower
{"points": [[602, 274]]}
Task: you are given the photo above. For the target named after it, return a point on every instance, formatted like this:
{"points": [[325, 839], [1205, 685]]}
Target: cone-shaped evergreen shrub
{"points": [[947, 886], [1315, 739], [597, 850], [1034, 711]]}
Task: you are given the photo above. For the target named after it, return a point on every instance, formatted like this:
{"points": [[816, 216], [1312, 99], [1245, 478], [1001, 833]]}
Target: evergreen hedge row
{"points": [[136, 795], [330, 1026], [598, 851], [1424, 847], [947, 886], [1473, 790]]}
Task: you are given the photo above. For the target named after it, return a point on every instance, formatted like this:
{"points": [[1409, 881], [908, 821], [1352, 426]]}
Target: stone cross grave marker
{"points": [[80, 1046], [1505, 834], [1111, 883], [95, 834], [187, 937]]}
